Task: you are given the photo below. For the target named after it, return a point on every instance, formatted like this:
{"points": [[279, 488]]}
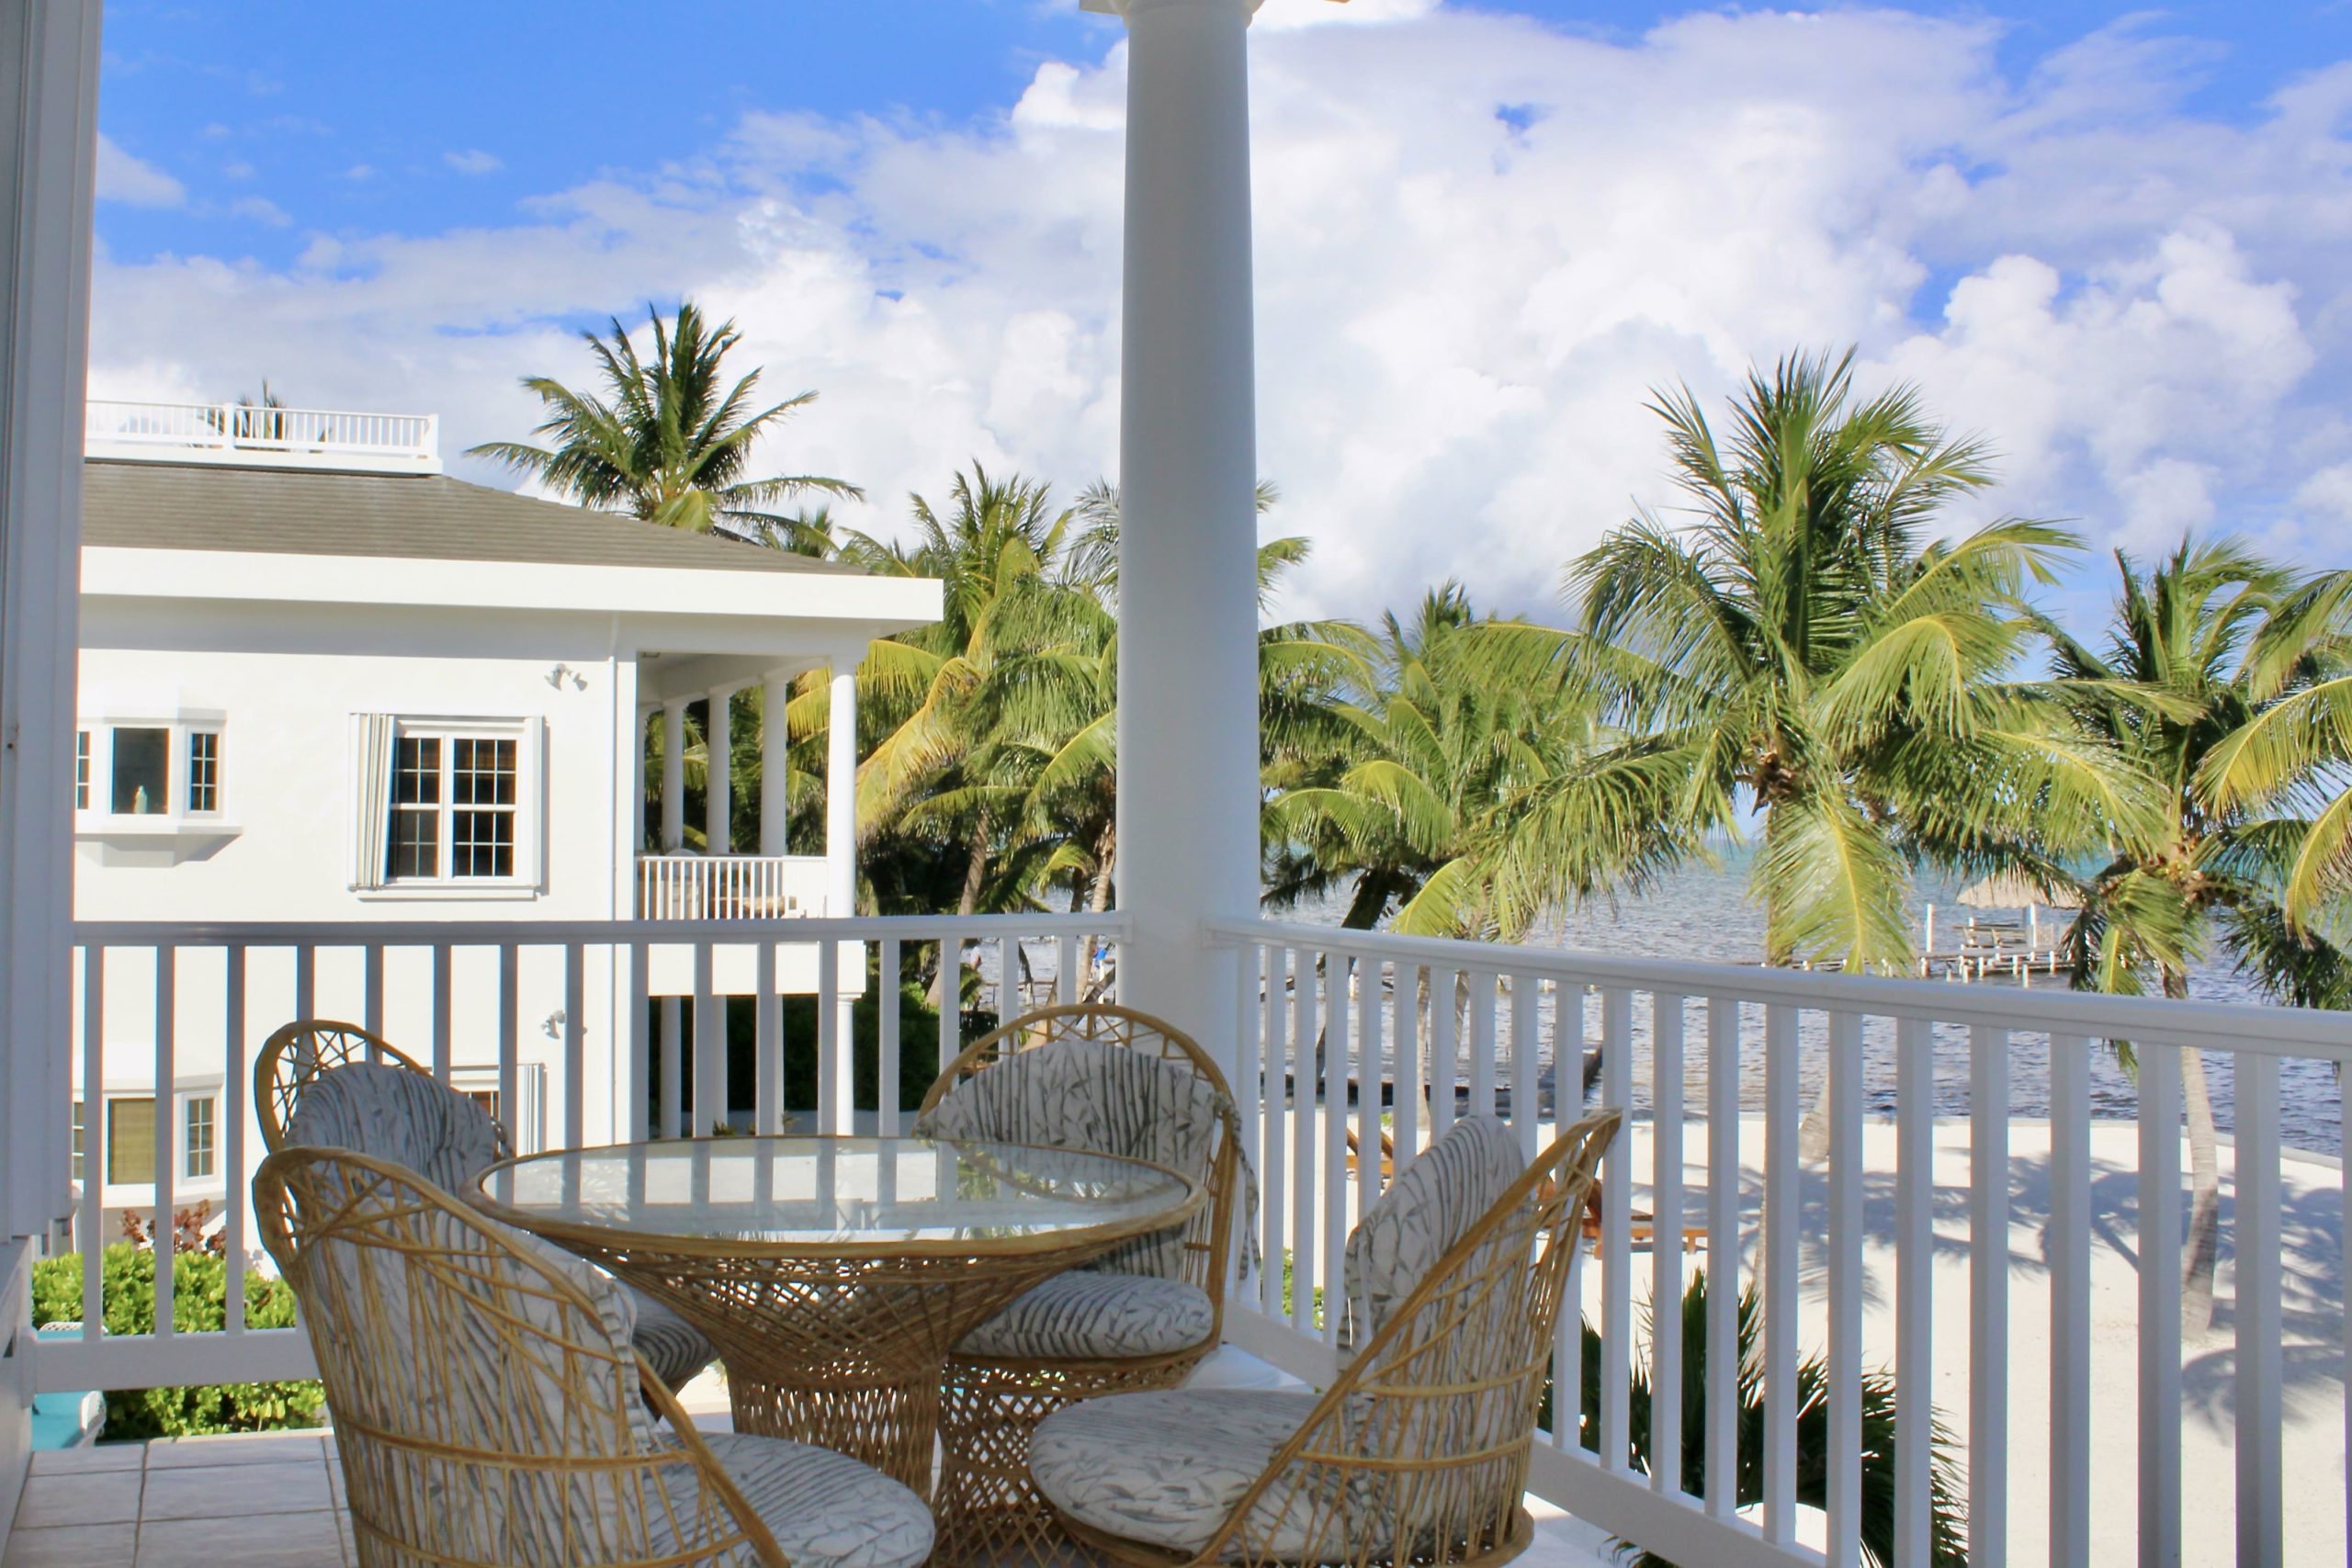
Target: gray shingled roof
{"points": [[203, 506]]}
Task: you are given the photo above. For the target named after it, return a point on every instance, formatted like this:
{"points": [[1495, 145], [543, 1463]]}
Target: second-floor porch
{"points": [[1973, 1331]]}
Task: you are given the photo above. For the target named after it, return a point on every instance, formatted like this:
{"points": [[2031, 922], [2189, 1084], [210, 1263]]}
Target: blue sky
{"points": [[552, 93], [2097, 231]]}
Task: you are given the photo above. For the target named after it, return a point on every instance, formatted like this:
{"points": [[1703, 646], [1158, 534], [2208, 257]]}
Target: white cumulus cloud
{"points": [[133, 181], [1480, 243], [474, 161]]}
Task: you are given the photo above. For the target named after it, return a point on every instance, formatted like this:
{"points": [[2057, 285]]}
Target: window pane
{"points": [[198, 1142], [416, 770], [484, 844], [203, 771], [81, 770], [142, 760], [484, 773], [416, 842], [130, 1141]]}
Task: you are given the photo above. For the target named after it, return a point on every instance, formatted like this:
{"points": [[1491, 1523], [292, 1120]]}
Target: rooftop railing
{"points": [[265, 437]]}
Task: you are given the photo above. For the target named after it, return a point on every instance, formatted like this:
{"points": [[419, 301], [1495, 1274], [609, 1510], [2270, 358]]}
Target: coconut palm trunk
{"points": [[948, 990], [1097, 901]]}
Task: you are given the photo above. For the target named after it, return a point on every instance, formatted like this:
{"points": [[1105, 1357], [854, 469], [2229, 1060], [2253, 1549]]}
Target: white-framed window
{"points": [[524, 1120], [142, 769], [131, 1140], [127, 1129], [199, 1125], [446, 803], [203, 772], [455, 802], [153, 771]]}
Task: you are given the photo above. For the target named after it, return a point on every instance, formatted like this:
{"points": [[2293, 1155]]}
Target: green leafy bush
{"points": [[199, 1304], [1947, 1539]]}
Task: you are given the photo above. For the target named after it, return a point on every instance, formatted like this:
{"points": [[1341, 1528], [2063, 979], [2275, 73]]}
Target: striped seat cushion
{"points": [[1169, 1468], [825, 1509], [1084, 1316]]}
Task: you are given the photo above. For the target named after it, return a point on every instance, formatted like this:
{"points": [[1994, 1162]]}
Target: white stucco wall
{"points": [[280, 675]]}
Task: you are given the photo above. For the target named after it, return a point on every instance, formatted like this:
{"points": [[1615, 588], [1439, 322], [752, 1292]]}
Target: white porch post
{"points": [[717, 771], [673, 775], [841, 788], [776, 766], [1188, 680], [49, 91], [841, 885]]}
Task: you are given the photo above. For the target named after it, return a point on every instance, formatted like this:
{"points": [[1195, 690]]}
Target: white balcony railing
{"points": [[2018, 1276], [1985, 1230], [730, 888], [494, 1003], [270, 437]]}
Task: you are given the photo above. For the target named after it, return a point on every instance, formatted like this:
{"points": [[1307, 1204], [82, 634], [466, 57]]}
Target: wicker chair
{"points": [[1121, 1082], [446, 1137], [1418, 1452], [489, 1412]]}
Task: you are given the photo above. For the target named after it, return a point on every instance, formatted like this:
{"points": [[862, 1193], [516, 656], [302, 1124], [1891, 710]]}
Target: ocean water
{"points": [[1702, 914]]}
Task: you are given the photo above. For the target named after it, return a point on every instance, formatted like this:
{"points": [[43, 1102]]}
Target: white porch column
{"points": [[48, 93], [776, 766], [718, 772], [840, 887], [1187, 682], [841, 788], [673, 775]]}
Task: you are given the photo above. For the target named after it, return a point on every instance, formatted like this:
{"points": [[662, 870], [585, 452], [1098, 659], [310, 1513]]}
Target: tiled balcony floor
{"points": [[263, 1501], [272, 1501]]}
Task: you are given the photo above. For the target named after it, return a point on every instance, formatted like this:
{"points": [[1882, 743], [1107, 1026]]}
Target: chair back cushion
{"points": [[466, 1388], [1429, 1207], [1077, 1093], [399, 1114]]}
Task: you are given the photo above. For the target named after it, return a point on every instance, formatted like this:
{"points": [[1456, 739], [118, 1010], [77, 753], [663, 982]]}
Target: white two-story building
{"points": [[322, 680]]}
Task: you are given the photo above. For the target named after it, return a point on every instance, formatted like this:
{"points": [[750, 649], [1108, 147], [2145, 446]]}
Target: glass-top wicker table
{"points": [[835, 1274]]}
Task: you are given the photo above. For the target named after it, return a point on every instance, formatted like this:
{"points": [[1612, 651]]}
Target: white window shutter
{"points": [[531, 800], [371, 798]]}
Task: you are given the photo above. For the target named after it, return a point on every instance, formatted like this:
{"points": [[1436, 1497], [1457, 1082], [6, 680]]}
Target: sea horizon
{"points": [[1702, 913]]}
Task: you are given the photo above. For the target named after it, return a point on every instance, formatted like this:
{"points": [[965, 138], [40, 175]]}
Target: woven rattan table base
{"points": [[846, 1353], [986, 1506]]}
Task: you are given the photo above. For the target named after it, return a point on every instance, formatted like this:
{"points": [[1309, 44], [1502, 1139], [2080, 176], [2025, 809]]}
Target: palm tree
{"points": [[967, 705], [2227, 681], [1401, 806], [1803, 647], [665, 443]]}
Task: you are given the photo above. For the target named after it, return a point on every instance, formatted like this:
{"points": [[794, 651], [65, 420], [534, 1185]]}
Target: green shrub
{"points": [[1947, 1538], [199, 1305]]}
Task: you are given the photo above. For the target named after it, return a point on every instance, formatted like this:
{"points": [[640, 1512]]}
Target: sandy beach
{"points": [[2312, 1312]]}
